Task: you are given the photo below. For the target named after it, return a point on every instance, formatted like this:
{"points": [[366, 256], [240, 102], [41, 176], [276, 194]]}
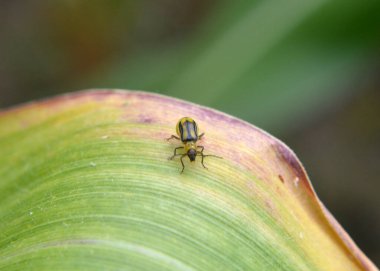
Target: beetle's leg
{"points": [[175, 153], [173, 136], [204, 155], [201, 153], [202, 160], [200, 136], [183, 166]]}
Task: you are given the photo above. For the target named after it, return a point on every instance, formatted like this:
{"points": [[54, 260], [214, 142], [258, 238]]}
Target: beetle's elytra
{"points": [[187, 131]]}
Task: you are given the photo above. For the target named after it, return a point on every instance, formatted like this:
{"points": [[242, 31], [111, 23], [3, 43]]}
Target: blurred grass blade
{"points": [[242, 45], [250, 57], [86, 185]]}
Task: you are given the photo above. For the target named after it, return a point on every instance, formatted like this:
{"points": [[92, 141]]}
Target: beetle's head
{"points": [[192, 153]]}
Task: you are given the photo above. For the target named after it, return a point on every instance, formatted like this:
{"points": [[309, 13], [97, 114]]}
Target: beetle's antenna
{"points": [[204, 155]]}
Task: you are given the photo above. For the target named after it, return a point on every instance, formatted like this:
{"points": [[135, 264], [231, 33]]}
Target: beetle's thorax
{"points": [[190, 145]]}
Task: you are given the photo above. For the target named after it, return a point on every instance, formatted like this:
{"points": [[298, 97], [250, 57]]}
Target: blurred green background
{"points": [[305, 71]]}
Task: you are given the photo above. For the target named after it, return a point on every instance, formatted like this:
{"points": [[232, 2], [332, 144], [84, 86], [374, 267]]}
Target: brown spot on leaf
{"points": [[294, 164], [281, 178]]}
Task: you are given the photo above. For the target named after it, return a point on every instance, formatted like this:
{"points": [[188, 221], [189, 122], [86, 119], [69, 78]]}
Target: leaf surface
{"points": [[86, 185]]}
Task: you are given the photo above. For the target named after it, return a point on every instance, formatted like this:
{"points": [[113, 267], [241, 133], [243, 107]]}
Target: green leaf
{"points": [[86, 185]]}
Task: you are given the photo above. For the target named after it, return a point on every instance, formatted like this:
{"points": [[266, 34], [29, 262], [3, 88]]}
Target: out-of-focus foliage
{"points": [[291, 56], [294, 68]]}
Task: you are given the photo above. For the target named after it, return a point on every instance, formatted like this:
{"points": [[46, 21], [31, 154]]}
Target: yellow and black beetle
{"points": [[187, 130]]}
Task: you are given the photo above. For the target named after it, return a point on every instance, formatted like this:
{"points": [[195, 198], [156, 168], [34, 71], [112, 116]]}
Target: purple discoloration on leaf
{"points": [[289, 157], [146, 119]]}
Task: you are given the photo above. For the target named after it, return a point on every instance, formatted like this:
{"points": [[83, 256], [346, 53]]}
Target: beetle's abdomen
{"points": [[187, 129]]}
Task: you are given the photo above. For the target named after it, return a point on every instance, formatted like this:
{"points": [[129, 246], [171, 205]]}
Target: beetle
{"points": [[187, 131]]}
